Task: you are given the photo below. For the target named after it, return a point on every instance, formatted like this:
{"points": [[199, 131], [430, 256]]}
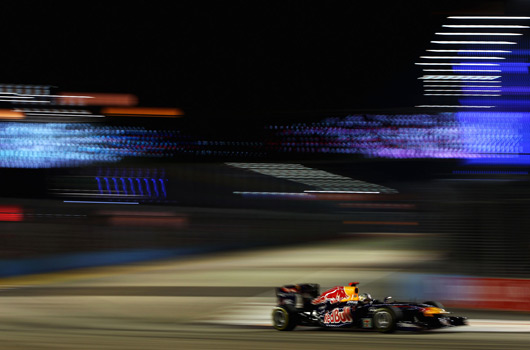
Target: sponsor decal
{"points": [[338, 317], [333, 295], [367, 323]]}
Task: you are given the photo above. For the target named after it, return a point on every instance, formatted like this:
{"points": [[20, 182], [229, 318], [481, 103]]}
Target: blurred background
{"points": [[131, 133]]}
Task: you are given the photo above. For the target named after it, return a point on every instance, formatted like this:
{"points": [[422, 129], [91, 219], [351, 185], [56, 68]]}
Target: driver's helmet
{"points": [[365, 298]]}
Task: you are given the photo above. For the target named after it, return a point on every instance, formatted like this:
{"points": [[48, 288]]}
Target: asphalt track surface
{"points": [[221, 301]]}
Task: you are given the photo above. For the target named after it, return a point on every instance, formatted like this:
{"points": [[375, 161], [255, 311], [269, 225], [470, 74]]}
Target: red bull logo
{"points": [[336, 316], [334, 295]]}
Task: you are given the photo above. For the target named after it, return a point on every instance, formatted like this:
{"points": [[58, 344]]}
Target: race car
{"points": [[343, 306]]}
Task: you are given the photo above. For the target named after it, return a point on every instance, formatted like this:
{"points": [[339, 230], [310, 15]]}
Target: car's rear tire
{"points": [[284, 318], [385, 319]]}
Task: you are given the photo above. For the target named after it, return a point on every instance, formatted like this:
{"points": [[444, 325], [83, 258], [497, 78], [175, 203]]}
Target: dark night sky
{"points": [[211, 58]]}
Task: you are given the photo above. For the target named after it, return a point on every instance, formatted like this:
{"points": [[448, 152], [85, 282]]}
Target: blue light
{"points": [[132, 186], [140, 186], [147, 186], [163, 187], [124, 186], [99, 185], [116, 185], [155, 187], [47, 145], [108, 185], [489, 172], [496, 137]]}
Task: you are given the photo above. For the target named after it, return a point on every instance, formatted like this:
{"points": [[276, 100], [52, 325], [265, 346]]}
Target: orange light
{"points": [[143, 112], [11, 114], [431, 311], [96, 99]]}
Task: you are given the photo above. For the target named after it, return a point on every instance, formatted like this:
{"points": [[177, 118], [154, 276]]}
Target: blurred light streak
{"points": [[484, 26], [11, 213], [11, 114], [465, 86], [463, 83], [489, 172], [455, 64], [163, 186], [496, 137], [65, 115], [462, 95], [108, 185], [487, 17], [463, 57], [397, 223], [460, 77], [101, 195], [143, 112], [474, 42], [490, 34], [52, 111], [145, 218], [24, 101], [96, 99], [462, 70], [343, 192], [320, 179], [470, 90], [378, 205], [452, 106], [45, 145], [431, 50], [99, 202], [276, 194], [11, 95], [144, 221]]}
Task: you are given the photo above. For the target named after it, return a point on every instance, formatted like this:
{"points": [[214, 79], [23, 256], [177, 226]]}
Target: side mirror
{"points": [[388, 299]]}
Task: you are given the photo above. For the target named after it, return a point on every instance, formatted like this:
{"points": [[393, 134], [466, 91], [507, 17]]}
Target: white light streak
{"points": [[463, 58], [94, 202], [484, 26], [42, 95], [507, 34], [25, 101], [66, 115], [39, 110], [476, 42], [455, 64], [466, 86], [465, 82], [452, 106], [487, 17], [443, 90], [273, 193], [13, 97], [431, 50], [69, 96], [463, 70], [461, 94], [460, 77]]}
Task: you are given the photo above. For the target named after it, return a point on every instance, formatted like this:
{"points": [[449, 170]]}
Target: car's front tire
{"points": [[284, 318], [385, 319]]}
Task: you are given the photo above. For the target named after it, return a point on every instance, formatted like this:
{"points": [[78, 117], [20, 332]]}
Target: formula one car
{"points": [[343, 306]]}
